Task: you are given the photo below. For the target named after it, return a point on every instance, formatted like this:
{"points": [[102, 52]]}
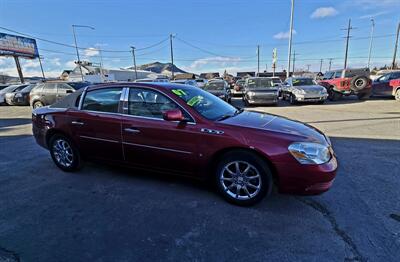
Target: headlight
{"points": [[299, 91], [323, 91], [251, 93], [221, 95], [18, 95], [310, 153]]}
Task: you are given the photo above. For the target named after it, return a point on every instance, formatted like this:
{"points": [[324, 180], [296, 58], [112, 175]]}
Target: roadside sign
{"points": [[13, 45]]}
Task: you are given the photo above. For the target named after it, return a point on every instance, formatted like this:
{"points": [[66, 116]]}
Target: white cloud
{"points": [[218, 61], [91, 51], [284, 35], [373, 15], [30, 64], [323, 12], [70, 64]]}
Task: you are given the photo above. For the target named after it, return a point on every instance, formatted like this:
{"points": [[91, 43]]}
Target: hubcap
{"points": [[62, 152], [397, 95], [240, 180], [359, 82]]}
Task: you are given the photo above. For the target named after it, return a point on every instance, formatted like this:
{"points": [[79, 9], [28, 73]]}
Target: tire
{"points": [[363, 96], [37, 104], [229, 100], [334, 96], [246, 102], [358, 83], [292, 99], [232, 183], [64, 153], [321, 102], [397, 95]]}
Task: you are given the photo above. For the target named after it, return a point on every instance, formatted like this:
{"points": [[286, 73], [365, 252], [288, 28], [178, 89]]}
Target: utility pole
{"points": [[370, 42], [21, 76], [172, 55], [258, 60], [347, 43], [308, 68], [41, 67], [134, 61], [330, 64], [76, 45], [395, 47], [290, 39], [320, 65], [266, 67], [294, 59]]}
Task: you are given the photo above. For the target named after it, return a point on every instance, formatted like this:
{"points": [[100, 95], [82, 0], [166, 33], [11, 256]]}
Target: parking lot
{"points": [[104, 213]]}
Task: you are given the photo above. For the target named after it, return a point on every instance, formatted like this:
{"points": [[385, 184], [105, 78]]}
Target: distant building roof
{"points": [[245, 74], [209, 75], [185, 76]]}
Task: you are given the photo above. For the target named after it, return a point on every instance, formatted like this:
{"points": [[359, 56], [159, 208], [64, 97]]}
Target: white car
{"points": [[10, 89]]}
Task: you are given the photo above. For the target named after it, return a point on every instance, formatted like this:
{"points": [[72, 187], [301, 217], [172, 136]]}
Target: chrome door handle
{"points": [[77, 123], [132, 130]]}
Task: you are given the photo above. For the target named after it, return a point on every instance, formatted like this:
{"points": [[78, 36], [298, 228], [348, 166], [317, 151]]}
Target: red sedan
{"points": [[184, 130]]}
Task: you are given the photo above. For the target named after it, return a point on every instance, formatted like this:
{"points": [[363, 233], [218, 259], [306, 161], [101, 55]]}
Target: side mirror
{"points": [[173, 115]]}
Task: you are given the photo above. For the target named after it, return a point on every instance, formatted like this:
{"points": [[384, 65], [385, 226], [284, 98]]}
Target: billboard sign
{"points": [[13, 45]]}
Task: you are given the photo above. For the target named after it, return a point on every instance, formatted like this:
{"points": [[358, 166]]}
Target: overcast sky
{"points": [[211, 35]]}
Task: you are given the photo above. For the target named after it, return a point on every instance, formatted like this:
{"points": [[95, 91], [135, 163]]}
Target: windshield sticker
{"points": [[194, 100], [178, 92]]}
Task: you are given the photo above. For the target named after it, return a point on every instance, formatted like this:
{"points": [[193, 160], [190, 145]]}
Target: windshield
{"points": [[276, 81], [206, 104], [28, 88], [217, 85], [259, 83], [240, 82], [303, 82], [329, 75]]}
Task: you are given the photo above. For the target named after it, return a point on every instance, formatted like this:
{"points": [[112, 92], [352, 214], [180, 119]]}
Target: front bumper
{"points": [[295, 178], [262, 99], [310, 98]]}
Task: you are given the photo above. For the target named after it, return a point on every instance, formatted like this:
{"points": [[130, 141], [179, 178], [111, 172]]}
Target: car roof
{"points": [[155, 85]]}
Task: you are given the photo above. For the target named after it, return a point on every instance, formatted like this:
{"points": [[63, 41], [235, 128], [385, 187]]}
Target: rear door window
{"points": [[149, 103], [103, 100], [50, 88]]}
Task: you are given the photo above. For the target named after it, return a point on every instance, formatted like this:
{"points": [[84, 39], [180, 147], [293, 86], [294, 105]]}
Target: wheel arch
{"points": [[52, 132], [219, 154]]}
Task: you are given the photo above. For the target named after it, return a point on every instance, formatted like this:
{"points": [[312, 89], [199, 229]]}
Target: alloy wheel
{"points": [[240, 180], [63, 153]]}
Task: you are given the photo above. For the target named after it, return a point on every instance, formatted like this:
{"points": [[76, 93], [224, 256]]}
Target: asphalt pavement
{"points": [[106, 213]]}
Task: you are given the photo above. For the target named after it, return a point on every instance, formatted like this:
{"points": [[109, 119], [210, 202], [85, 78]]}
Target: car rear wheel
{"points": [[242, 178], [334, 96], [397, 95], [64, 153], [37, 104]]}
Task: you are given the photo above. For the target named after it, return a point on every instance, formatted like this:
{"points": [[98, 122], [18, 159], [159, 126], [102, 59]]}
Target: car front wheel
{"points": [[243, 178], [37, 104], [64, 154], [397, 95]]}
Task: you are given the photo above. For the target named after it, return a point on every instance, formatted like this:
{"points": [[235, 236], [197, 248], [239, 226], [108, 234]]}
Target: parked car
{"points": [[387, 85], [10, 89], [190, 82], [219, 88], [347, 82], [47, 93], [2, 86], [19, 97], [260, 90], [201, 82], [184, 130], [301, 89], [238, 88], [382, 72]]}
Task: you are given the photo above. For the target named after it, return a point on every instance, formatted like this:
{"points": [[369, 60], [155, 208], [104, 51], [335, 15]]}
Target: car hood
{"points": [[277, 124], [310, 88]]}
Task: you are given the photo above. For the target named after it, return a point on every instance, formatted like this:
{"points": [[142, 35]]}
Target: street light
{"points": [[76, 45]]}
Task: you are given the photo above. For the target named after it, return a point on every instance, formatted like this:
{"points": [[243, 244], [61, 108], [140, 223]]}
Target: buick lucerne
{"points": [[184, 130]]}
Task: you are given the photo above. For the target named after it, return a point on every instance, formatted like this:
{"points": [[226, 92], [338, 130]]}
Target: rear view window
{"points": [[103, 100]]}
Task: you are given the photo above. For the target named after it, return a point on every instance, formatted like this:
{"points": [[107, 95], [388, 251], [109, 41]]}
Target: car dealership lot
{"points": [[105, 213]]}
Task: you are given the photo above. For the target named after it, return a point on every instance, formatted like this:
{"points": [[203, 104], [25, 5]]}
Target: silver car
{"points": [[260, 90], [302, 89]]}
